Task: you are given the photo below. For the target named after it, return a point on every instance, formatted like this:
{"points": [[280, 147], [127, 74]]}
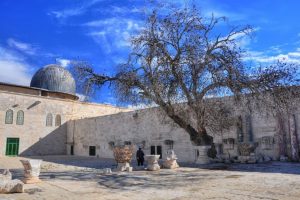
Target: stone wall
{"points": [[145, 127], [87, 124], [35, 137], [142, 128]]}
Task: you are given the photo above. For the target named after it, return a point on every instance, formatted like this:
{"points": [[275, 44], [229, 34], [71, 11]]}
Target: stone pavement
{"points": [[258, 181]]}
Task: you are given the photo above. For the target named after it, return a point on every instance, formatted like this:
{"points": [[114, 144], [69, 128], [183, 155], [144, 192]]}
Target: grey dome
{"points": [[54, 78]]}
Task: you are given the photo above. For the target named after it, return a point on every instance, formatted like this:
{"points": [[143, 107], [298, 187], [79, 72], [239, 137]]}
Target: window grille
{"points": [[9, 117], [49, 120], [20, 117]]}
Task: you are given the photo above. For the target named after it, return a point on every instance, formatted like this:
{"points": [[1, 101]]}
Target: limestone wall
{"points": [[35, 137], [139, 127], [147, 126]]}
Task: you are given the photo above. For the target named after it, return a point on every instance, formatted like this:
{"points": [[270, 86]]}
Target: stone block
{"points": [[267, 159], [5, 175], [283, 158], [129, 169], [260, 160], [11, 186], [107, 171], [251, 161]]}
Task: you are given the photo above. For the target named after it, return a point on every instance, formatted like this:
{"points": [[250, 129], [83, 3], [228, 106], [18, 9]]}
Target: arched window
{"points": [[57, 120], [49, 119], [20, 117], [9, 117]]}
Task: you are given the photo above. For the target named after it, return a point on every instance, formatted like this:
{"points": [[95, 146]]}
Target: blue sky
{"points": [[35, 33]]}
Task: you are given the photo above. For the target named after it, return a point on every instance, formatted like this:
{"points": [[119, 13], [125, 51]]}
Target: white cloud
{"points": [[262, 57], [63, 62], [66, 13], [14, 68], [124, 10], [243, 39], [276, 49], [141, 106], [75, 11], [119, 22], [113, 32], [21, 46]]}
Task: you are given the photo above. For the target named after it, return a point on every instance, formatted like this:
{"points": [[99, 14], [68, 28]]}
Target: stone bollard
{"points": [[31, 171], [152, 163]]}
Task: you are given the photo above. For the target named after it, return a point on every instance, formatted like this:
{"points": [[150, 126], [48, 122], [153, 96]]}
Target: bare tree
{"points": [[178, 62]]}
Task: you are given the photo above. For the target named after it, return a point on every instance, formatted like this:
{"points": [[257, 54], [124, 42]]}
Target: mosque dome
{"points": [[55, 78]]}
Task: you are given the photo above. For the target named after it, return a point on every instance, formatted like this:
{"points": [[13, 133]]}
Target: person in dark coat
{"points": [[140, 157]]}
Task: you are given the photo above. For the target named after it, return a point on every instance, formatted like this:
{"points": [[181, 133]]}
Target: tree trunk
{"points": [[294, 138], [198, 138], [281, 136]]}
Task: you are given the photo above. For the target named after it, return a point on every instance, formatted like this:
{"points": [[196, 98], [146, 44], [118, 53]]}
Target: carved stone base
{"points": [[31, 180], [107, 171], [123, 167], [31, 170], [283, 158], [152, 163], [129, 169], [170, 164], [154, 167], [251, 159], [202, 157]]}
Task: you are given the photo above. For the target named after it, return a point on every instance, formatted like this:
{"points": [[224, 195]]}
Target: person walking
{"points": [[140, 157]]}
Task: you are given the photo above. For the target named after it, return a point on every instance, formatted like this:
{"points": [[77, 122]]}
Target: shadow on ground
{"points": [[269, 167], [167, 179]]}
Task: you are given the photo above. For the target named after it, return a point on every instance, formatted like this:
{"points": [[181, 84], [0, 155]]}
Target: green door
{"points": [[12, 146]]}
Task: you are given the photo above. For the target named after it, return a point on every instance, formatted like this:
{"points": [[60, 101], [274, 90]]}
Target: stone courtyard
{"points": [[66, 177]]}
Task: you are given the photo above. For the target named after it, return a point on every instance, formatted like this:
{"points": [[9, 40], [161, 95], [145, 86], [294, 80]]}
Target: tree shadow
{"points": [[267, 167], [167, 179]]}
